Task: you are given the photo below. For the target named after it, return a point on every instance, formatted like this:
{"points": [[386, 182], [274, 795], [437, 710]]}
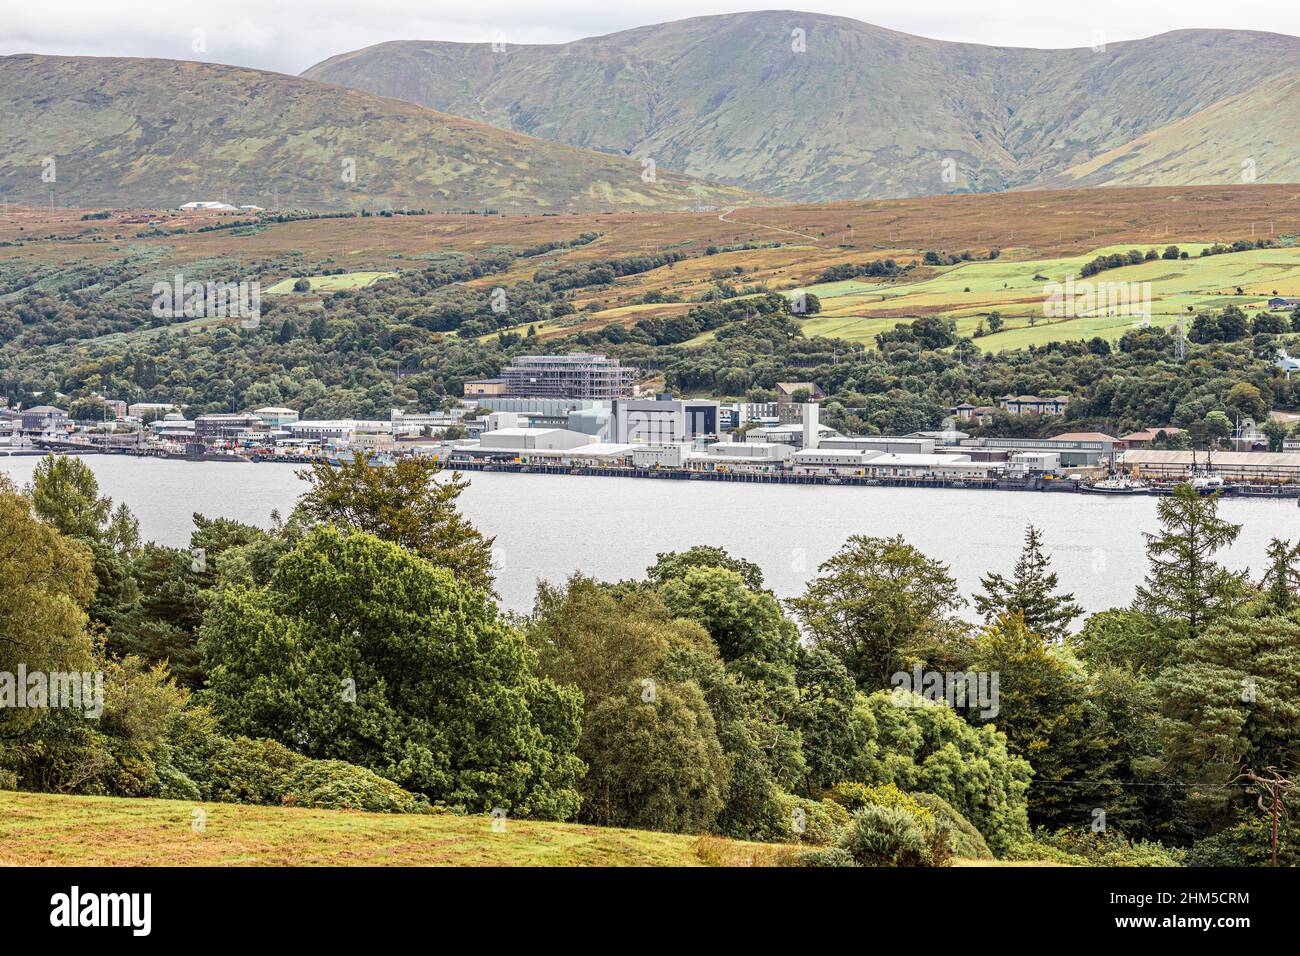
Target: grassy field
{"points": [[349, 280], [1016, 289], [43, 829], [1042, 236]]}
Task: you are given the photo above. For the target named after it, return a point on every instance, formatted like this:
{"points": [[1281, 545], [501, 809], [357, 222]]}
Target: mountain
{"points": [[158, 133], [861, 112], [1243, 138]]}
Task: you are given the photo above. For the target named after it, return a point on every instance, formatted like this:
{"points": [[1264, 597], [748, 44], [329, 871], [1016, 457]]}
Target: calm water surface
{"points": [[548, 526]]}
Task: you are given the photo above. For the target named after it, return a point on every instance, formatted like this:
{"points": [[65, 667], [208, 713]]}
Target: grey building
{"points": [[664, 419], [580, 375], [210, 428], [43, 418]]}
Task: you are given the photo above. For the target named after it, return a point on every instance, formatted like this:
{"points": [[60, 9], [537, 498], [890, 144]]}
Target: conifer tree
{"points": [[1030, 593], [1185, 586]]}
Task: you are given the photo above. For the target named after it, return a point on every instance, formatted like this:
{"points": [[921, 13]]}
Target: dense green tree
{"points": [[745, 625], [923, 746], [1122, 637], [664, 768], [361, 651], [1031, 593], [1282, 580], [405, 503], [674, 564], [1045, 710], [46, 584], [1229, 702], [65, 493], [880, 605]]}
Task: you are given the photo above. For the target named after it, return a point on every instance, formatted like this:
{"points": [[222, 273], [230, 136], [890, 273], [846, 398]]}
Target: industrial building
{"points": [[1248, 466], [1075, 452], [663, 419], [214, 428], [579, 375], [741, 457]]}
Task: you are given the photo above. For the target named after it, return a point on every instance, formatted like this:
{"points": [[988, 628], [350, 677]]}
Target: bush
{"points": [[824, 856], [935, 834], [8, 780], [886, 836], [967, 842], [1249, 843], [205, 765], [1085, 848], [335, 785], [823, 820]]}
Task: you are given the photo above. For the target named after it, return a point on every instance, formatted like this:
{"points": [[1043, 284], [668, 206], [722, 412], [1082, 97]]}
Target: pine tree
{"points": [[1184, 585], [1030, 593], [1282, 579]]}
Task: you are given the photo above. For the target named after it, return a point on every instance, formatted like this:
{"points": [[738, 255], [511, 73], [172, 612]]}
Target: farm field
{"points": [[349, 280], [44, 829], [1041, 236], [1017, 289]]}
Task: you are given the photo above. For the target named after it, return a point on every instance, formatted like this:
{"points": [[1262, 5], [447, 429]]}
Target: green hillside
{"points": [[840, 109], [1245, 138], [159, 133]]}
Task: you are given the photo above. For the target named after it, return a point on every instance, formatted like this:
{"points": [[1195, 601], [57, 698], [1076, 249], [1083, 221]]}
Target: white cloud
{"points": [[290, 35]]}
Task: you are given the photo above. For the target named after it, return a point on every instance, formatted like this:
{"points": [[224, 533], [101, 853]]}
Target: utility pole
{"points": [[1273, 783]]}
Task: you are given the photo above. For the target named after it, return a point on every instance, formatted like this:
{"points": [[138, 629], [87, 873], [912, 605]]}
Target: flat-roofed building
{"points": [[883, 443], [1231, 465], [953, 466], [827, 461], [210, 428], [663, 419], [1034, 404], [1075, 452], [579, 375], [475, 387], [276, 417], [336, 429], [144, 410], [741, 457]]}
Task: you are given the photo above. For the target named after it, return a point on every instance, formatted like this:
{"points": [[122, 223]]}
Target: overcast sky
{"points": [[291, 35]]}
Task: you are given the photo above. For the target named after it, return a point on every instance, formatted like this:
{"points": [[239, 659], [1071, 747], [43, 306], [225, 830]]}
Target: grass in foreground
{"points": [[48, 830]]}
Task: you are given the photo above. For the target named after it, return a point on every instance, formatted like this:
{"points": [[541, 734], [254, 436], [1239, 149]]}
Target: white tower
{"points": [[811, 433]]}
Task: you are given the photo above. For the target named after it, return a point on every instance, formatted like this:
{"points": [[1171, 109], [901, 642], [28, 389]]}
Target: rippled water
{"points": [[548, 526]]}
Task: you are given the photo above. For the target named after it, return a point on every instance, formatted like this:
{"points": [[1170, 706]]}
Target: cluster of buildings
{"points": [[584, 411]]}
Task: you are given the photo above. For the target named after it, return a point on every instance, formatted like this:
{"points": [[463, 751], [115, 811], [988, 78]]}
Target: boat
{"points": [[1208, 483], [1114, 486]]}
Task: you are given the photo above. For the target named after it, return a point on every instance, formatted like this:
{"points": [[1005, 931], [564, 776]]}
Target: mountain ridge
{"points": [[155, 133], [863, 112]]}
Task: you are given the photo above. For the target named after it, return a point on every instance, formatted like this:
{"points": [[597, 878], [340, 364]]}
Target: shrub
{"points": [[1085, 848], [822, 820], [335, 785], [967, 842], [859, 796], [886, 836], [824, 856], [1249, 843]]}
